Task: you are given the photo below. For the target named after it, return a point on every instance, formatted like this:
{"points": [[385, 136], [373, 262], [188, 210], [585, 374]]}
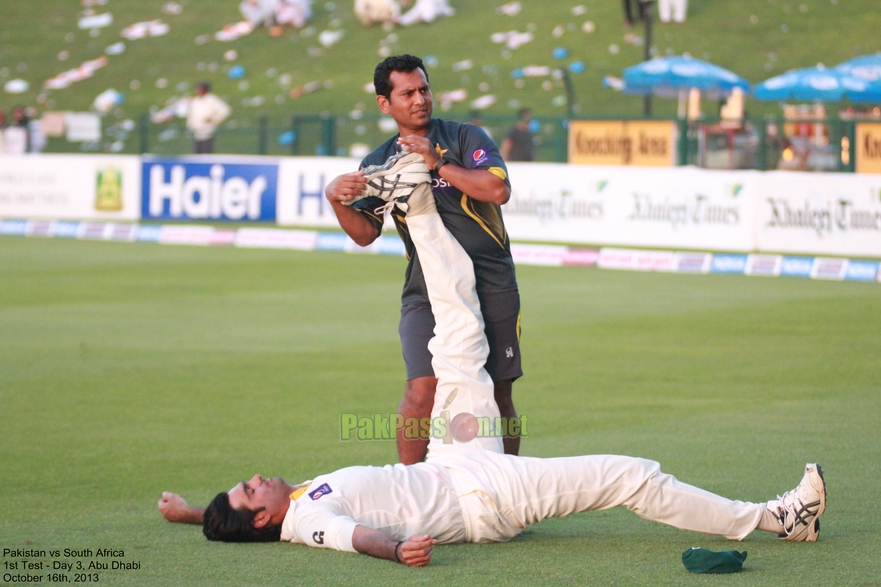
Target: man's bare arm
{"points": [[175, 509], [342, 190], [413, 552], [479, 184]]}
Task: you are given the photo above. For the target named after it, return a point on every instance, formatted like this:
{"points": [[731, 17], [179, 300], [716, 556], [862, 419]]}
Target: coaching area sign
{"points": [[616, 142], [237, 189], [868, 147]]}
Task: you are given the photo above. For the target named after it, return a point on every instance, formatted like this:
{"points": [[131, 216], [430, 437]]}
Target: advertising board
{"points": [[96, 187], [230, 188]]}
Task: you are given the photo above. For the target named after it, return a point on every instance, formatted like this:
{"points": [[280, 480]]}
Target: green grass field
{"points": [[129, 369]]}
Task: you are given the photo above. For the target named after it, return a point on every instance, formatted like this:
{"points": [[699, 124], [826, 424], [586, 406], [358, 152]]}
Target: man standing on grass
{"points": [[206, 113], [399, 512], [470, 183]]}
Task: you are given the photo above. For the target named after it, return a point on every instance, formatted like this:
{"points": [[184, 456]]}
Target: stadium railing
{"points": [[810, 144]]}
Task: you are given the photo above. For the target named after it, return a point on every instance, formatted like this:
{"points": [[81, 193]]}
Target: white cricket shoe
{"points": [[799, 510], [395, 180]]}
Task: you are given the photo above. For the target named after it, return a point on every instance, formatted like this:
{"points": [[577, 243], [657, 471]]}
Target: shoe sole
{"points": [[387, 168], [812, 536], [812, 532]]}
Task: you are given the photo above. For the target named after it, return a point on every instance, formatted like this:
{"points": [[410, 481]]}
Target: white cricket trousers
{"points": [[502, 494], [459, 347]]}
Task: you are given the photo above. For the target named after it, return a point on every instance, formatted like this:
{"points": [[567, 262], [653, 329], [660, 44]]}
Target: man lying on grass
{"points": [[400, 512]]}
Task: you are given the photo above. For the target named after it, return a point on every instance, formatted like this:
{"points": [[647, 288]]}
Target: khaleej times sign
{"points": [[830, 213], [224, 189], [680, 207]]}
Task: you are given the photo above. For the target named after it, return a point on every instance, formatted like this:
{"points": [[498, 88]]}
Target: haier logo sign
{"points": [[208, 191]]}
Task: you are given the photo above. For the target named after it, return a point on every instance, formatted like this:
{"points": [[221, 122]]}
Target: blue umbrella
{"points": [[866, 67], [818, 84], [669, 76]]}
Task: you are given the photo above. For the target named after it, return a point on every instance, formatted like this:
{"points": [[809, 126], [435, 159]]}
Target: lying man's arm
{"points": [[175, 509], [413, 552]]}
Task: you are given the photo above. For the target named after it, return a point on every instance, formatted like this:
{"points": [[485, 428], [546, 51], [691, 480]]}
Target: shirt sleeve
{"points": [[480, 152], [367, 207], [324, 528]]}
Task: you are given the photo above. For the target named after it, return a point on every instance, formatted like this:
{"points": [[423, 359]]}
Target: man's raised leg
{"points": [[459, 347]]}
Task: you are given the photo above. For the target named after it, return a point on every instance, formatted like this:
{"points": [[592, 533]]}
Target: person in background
{"points": [[36, 138], [207, 112], [15, 136], [258, 12], [518, 144], [629, 13], [2, 127], [672, 10]]}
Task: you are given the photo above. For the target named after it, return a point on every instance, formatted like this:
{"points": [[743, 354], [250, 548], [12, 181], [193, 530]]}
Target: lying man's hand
{"points": [[416, 551], [175, 509]]}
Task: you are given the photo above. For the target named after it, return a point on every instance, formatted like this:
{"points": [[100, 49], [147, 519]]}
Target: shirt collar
{"points": [[287, 526]]}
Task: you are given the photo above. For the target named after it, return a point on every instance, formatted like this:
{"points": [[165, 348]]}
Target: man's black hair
{"points": [[383, 72], [222, 522]]}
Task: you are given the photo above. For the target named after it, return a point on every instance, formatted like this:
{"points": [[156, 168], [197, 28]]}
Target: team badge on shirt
{"points": [[479, 156], [320, 492]]}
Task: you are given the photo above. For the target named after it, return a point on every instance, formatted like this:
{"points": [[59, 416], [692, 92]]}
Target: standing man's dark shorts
{"points": [[501, 315]]}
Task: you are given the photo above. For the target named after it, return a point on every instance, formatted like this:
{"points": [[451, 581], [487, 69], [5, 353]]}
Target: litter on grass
{"points": [[330, 38], [96, 21], [107, 100], [141, 30], [86, 70], [172, 8], [483, 102], [16, 86], [509, 9], [512, 39]]}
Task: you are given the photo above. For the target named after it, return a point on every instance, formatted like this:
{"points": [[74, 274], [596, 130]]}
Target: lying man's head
{"points": [[252, 511]]}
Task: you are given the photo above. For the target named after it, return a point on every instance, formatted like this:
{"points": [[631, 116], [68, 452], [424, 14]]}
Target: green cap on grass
{"points": [[703, 560]]}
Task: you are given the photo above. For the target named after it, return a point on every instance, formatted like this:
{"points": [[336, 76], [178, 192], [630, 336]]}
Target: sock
{"points": [[769, 521]]}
